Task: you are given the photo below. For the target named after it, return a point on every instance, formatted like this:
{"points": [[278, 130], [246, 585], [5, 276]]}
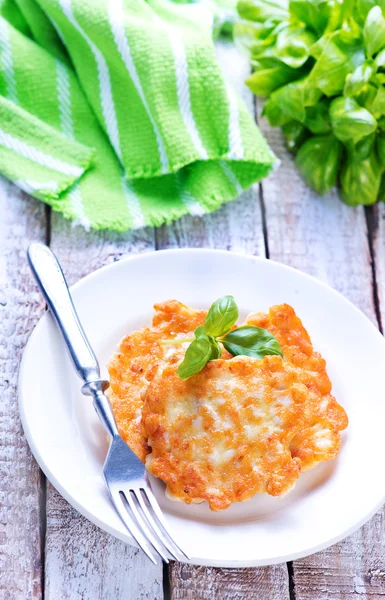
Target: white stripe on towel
{"points": [[116, 17], [231, 176], [35, 155], [107, 101], [236, 151], [133, 204], [183, 87]]}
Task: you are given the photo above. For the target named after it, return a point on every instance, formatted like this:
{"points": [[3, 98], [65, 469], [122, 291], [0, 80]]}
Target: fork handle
{"points": [[51, 281]]}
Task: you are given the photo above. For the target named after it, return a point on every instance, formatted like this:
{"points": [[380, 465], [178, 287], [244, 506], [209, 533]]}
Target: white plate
{"points": [[327, 504]]}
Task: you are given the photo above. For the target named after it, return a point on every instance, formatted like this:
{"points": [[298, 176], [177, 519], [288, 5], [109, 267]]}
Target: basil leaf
{"points": [[269, 75], [374, 31], [295, 135], [362, 8], [286, 104], [380, 147], [378, 105], [293, 45], [364, 148], [318, 160], [380, 59], [259, 10], [339, 57], [197, 355], [317, 117], [314, 13], [356, 81], [350, 122], [361, 179], [221, 316], [216, 350], [251, 341]]}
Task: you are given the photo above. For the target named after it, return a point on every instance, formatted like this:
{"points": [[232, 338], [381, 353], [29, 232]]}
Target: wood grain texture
{"points": [[207, 583], [325, 238], [82, 562], [21, 220]]}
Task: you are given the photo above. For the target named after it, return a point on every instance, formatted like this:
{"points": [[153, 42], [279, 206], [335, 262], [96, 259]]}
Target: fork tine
{"points": [[158, 530], [148, 494], [148, 532], [132, 527]]}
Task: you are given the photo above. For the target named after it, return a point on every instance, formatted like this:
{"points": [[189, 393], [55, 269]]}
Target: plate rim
{"points": [[126, 538]]}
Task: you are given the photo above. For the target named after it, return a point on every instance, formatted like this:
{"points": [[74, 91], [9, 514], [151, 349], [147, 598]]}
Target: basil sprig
{"points": [[217, 329]]}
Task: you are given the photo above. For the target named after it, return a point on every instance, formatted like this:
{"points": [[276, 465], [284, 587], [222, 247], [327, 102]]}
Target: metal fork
{"points": [[125, 475]]}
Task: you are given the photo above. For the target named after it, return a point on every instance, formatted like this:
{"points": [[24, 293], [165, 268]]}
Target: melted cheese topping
{"points": [[325, 418], [223, 436]]}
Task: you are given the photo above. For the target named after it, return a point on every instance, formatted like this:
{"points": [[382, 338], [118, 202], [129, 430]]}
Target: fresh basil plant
{"points": [[321, 66]]}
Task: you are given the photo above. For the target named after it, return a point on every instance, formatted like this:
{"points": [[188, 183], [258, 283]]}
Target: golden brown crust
{"points": [[320, 438], [135, 362], [224, 434]]}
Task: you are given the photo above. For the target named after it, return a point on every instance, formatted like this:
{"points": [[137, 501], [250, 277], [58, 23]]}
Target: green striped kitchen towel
{"points": [[116, 113]]}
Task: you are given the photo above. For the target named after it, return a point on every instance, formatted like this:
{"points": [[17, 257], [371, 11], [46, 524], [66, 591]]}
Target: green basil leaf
{"points": [[255, 38], [378, 105], [362, 8], [289, 102], [381, 124], [314, 13], [374, 31], [364, 147], [380, 147], [216, 350], [356, 81], [319, 160], [366, 97], [269, 75], [380, 59], [221, 316], [295, 134], [260, 10], [251, 341], [293, 45], [350, 122], [340, 55], [197, 355], [361, 179], [317, 117]]}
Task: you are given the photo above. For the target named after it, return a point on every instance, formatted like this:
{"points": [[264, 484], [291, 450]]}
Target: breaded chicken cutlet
{"points": [[238, 427], [133, 365], [320, 438]]}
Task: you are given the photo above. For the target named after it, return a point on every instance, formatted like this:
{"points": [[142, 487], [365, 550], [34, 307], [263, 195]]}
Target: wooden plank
{"points": [[325, 238], [21, 219], [238, 227], [207, 583], [82, 562]]}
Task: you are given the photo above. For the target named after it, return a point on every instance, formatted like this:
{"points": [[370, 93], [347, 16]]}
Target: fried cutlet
{"points": [[132, 366], [234, 444], [320, 438], [224, 434]]}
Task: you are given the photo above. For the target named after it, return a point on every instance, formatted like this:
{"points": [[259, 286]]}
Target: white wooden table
{"points": [[47, 550]]}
